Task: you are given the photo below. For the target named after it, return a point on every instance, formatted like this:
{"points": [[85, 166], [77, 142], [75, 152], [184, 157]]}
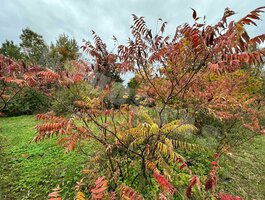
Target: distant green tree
{"points": [[64, 49], [33, 45], [115, 76], [132, 86], [10, 49], [117, 94]]}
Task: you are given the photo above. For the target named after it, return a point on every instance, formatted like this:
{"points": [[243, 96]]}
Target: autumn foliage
{"points": [[16, 76], [202, 69]]}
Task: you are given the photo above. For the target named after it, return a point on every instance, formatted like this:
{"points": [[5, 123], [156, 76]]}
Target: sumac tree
{"points": [[201, 69]]}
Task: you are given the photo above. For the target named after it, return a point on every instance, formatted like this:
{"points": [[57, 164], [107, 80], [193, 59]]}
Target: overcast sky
{"points": [[109, 17]]}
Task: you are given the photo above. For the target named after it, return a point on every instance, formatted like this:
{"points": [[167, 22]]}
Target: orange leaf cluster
{"points": [[100, 188]]}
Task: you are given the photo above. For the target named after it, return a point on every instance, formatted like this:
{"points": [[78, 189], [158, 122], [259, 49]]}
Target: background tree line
{"points": [[34, 50]]}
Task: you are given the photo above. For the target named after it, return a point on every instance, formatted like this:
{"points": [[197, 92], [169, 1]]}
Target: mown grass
{"points": [[244, 172], [30, 170]]}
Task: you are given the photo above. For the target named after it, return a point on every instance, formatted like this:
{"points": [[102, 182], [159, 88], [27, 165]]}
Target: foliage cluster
{"points": [[18, 63], [30, 101]]}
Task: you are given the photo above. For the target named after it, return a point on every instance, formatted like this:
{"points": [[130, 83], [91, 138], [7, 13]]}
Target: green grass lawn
{"points": [[30, 170], [245, 172]]}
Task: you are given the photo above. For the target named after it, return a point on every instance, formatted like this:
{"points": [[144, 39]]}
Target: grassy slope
{"points": [[245, 174], [30, 170]]}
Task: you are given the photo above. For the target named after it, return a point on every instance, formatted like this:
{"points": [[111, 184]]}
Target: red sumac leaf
{"points": [[194, 13]]}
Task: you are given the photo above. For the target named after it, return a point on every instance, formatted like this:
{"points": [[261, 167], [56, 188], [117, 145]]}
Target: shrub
{"points": [[195, 73], [64, 98], [31, 101]]}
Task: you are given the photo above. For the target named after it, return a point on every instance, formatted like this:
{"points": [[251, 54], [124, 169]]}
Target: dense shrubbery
{"points": [[31, 101], [64, 98]]}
